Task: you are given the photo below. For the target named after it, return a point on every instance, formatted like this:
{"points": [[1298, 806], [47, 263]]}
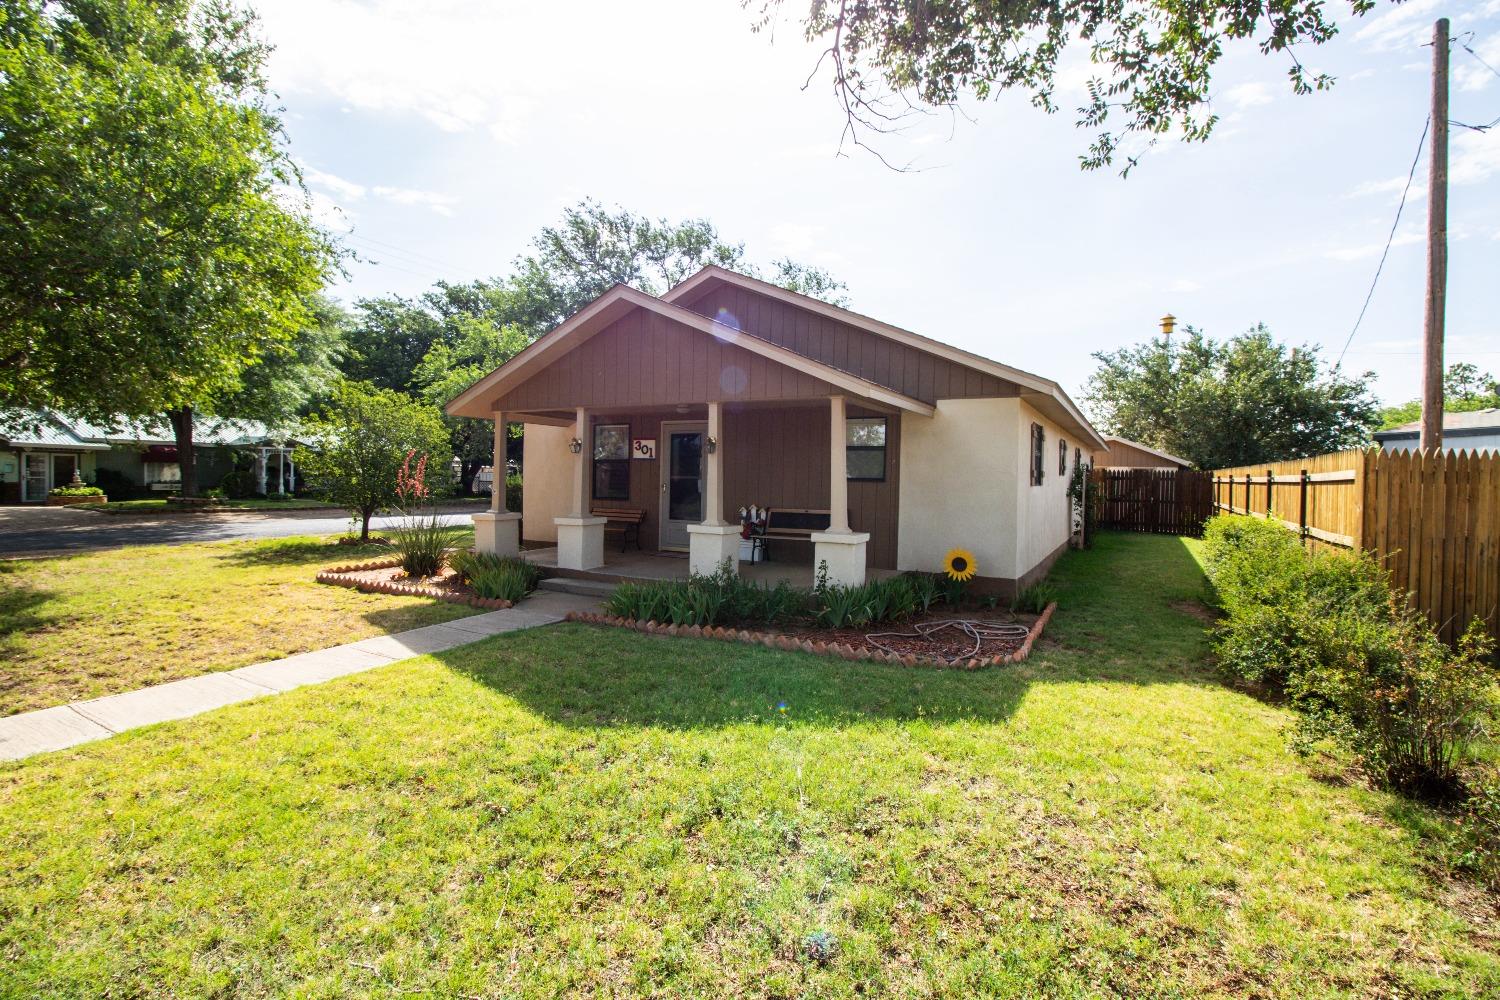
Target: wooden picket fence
{"points": [[1432, 518], [1161, 501]]}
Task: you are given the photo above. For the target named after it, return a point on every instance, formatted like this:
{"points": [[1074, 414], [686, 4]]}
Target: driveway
{"points": [[51, 529]]}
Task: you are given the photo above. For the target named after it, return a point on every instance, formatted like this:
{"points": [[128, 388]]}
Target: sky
{"points": [[440, 136]]}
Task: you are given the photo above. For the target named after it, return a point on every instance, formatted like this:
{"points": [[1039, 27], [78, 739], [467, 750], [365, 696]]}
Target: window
{"points": [[1062, 457], [1038, 454], [611, 461], [864, 448], [161, 472]]}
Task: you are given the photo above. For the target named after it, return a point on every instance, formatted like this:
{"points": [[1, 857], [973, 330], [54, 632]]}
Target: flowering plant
{"points": [[421, 539]]}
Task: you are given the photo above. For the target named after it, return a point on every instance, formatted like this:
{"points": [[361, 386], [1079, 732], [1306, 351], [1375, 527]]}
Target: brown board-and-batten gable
{"points": [[901, 367], [647, 359]]}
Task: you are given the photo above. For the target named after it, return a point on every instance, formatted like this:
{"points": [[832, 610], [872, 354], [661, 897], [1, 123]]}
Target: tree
{"points": [[449, 369], [359, 442], [151, 242], [592, 249], [1465, 388], [1236, 402], [1154, 58]]}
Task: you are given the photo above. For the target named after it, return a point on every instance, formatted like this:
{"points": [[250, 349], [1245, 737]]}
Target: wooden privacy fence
{"points": [[1161, 501], [1432, 518]]}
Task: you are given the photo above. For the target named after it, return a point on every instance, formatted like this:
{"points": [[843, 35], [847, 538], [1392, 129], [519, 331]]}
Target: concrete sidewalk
{"points": [[80, 722]]}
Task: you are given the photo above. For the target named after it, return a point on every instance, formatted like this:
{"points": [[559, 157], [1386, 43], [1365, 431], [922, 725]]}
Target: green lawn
{"points": [[88, 625], [575, 811]]}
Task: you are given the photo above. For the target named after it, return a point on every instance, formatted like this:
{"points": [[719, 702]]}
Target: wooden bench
{"points": [[793, 524], [626, 520]]}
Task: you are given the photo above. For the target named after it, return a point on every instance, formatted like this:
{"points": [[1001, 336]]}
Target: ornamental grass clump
{"points": [[505, 578], [421, 540]]}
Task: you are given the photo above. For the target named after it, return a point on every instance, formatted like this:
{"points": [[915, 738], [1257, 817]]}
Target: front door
{"points": [[681, 481], [34, 479]]}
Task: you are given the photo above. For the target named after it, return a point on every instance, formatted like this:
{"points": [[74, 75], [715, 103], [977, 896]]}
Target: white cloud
{"points": [[1401, 27], [331, 190], [1373, 249], [1474, 156], [1248, 95], [1471, 74], [442, 204]]}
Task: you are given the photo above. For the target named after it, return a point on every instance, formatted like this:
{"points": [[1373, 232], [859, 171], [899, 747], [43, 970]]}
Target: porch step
{"points": [[584, 588]]}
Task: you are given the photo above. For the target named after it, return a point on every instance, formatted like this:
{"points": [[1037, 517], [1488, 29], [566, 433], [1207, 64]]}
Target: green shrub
{"points": [[76, 491], [240, 484], [722, 596], [513, 494], [1390, 691], [1479, 831], [1266, 584], [421, 542], [506, 578], [1033, 600]]}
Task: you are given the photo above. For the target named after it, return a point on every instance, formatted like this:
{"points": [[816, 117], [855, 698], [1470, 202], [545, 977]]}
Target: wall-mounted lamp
{"points": [[575, 445], [713, 444]]}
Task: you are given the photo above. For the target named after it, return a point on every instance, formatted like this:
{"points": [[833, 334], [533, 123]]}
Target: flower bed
{"points": [[385, 576], [845, 647]]}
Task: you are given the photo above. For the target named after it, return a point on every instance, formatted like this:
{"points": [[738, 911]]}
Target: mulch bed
{"points": [[852, 644], [385, 576]]}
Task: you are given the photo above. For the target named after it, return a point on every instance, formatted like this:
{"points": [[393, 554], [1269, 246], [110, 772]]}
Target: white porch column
{"points": [[842, 549], [497, 531], [260, 471], [713, 541], [580, 538]]}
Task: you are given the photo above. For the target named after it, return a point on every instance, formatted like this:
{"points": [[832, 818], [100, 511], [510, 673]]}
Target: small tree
{"points": [[362, 439]]}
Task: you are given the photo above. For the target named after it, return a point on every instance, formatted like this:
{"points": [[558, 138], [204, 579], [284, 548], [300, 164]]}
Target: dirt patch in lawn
{"points": [[949, 636], [1196, 609]]}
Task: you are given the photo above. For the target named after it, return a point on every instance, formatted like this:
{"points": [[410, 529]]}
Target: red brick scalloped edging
{"points": [[337, 575], [775, 640]]}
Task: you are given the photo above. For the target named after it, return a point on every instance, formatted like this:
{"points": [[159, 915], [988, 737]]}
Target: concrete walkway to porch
{"points": [[82, 722]]}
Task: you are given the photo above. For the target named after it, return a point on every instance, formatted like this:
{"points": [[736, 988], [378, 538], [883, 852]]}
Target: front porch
{"points": [[638, 567]]}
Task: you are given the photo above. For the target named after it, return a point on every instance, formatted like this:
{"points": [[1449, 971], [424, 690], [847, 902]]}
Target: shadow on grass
{"points": [[1116, 623], [299, 552]]}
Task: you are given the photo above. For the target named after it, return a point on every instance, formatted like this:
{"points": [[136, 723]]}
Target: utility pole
{"points": [[1437, 247]]}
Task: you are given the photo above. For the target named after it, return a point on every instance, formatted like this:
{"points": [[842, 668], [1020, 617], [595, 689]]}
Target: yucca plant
{"points": [[495, 577], [421, 540]]}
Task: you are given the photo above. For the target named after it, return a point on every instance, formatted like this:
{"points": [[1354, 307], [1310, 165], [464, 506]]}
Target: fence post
{"points": [[1270, 482], [1302, 517]]}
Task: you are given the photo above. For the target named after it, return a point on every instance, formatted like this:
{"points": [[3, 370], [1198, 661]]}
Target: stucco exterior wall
{"points": [[966, 482], [546, 491], [958, 489], [1043, 513]]}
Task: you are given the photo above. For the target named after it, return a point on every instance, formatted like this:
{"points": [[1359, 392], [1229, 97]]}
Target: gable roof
{"points": [[1113, 439], [1034, 387], [1486, 421], [43, 429], [619, 301]]}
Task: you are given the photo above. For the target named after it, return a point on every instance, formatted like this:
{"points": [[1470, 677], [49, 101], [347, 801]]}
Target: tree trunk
{"points": [[364, 524], [187, 461], [468, 468]]}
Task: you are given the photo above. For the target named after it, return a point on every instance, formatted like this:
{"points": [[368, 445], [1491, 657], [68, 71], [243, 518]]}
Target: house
{"points": [[882, 448], [1126, 454], [41, 450], [1476, 430]]}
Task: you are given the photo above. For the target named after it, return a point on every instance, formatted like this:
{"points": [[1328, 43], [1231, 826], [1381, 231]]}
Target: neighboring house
{"points": [[1126, 454], [727, 391], [1476, 430], [41, 450]]}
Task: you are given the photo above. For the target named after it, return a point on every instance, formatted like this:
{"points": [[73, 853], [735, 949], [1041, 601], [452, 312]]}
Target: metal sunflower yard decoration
{"points": [[959, 565]]}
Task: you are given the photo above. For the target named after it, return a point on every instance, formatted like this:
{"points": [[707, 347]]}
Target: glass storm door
{"points": [[34, 479], [682, 482]]}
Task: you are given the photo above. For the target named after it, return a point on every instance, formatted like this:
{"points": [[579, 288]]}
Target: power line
{"points": [[1470, 51], [1388, 240], [416, 256]]}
